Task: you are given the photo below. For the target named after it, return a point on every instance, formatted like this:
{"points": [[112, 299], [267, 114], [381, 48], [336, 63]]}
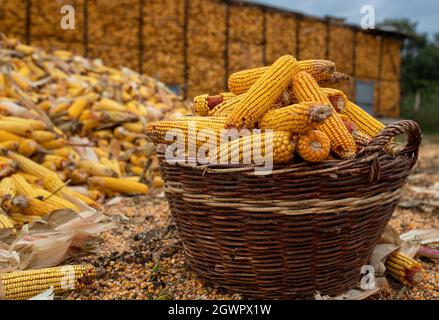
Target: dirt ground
{"points": [[143, 259]]}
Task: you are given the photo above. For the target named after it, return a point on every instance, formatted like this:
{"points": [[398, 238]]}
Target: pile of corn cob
{"points": [[291, 100], [79, 119]]}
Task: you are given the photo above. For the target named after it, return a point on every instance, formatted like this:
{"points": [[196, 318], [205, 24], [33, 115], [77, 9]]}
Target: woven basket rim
{"points": [[368, 154]]}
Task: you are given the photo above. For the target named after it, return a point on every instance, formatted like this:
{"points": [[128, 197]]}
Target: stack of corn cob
{"points": [[293, 100], [80, 119]]}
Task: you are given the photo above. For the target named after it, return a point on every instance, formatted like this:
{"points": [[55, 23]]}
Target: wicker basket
{"points": [[305, 228]]}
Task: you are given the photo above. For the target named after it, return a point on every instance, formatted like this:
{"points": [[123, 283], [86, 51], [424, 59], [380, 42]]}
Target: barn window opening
{"points": [[364, 95]]}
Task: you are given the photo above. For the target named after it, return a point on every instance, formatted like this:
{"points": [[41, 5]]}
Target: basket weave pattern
{"points": [[302, 229]]}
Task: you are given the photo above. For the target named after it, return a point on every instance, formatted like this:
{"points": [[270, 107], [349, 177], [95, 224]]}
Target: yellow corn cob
{"points": [[334, 78], [22, 285], [224, 108], [7, 169], [7, 136], [204, 103], [287, 98], [240, 82], [298, 118], [9, 145], [113, 164], [7, 187], [157, 182], [138, 160], [257, 147], [122, 133], [103, 134], [364, 121], [126, 145], [54, 144], [89, 125], [201, 105], [337, 97], [27, 205], [22, 82], [31, 167], [103, 143], [37, 71], [77, 107], [43, 136], [23, 48], [45, 105], [32, 123], [263, 93], [156, 131], [306, 89], [54, 200], [22, 186], [96, 169], [22, 218], [9, 162], [66, 153], [227, 95], [17, 127], [58, 109], [66, 192], [58, 161], [313, 146], [113, 116], [404, 269], [28, 147], [108, 193], [96, 195], [101, 153], [31, 178], [349, 124], [136, 127], [361, 139], [119, 185], [106, 104], [6, 221], [49, 165], [138, 171], [78, 176], [133, 178], [85, 115]]}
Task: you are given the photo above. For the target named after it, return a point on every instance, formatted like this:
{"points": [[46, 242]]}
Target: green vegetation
{"points": [[420, 75]]}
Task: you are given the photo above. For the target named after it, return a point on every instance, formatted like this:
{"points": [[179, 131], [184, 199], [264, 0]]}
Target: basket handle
{"points": [[408, 127]]}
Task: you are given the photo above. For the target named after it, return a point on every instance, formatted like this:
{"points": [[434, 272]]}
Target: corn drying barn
{"points": [[193, 45]]}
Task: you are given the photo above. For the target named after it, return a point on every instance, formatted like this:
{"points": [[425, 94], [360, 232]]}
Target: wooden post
{"points": [[185, 48], [85, 28], [264, 36], [226, 46], [140, 36], [28, 21], [298, 20]]}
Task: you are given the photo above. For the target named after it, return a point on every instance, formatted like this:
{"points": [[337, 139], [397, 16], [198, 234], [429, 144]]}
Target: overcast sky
{"points": [[426, 12]]}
